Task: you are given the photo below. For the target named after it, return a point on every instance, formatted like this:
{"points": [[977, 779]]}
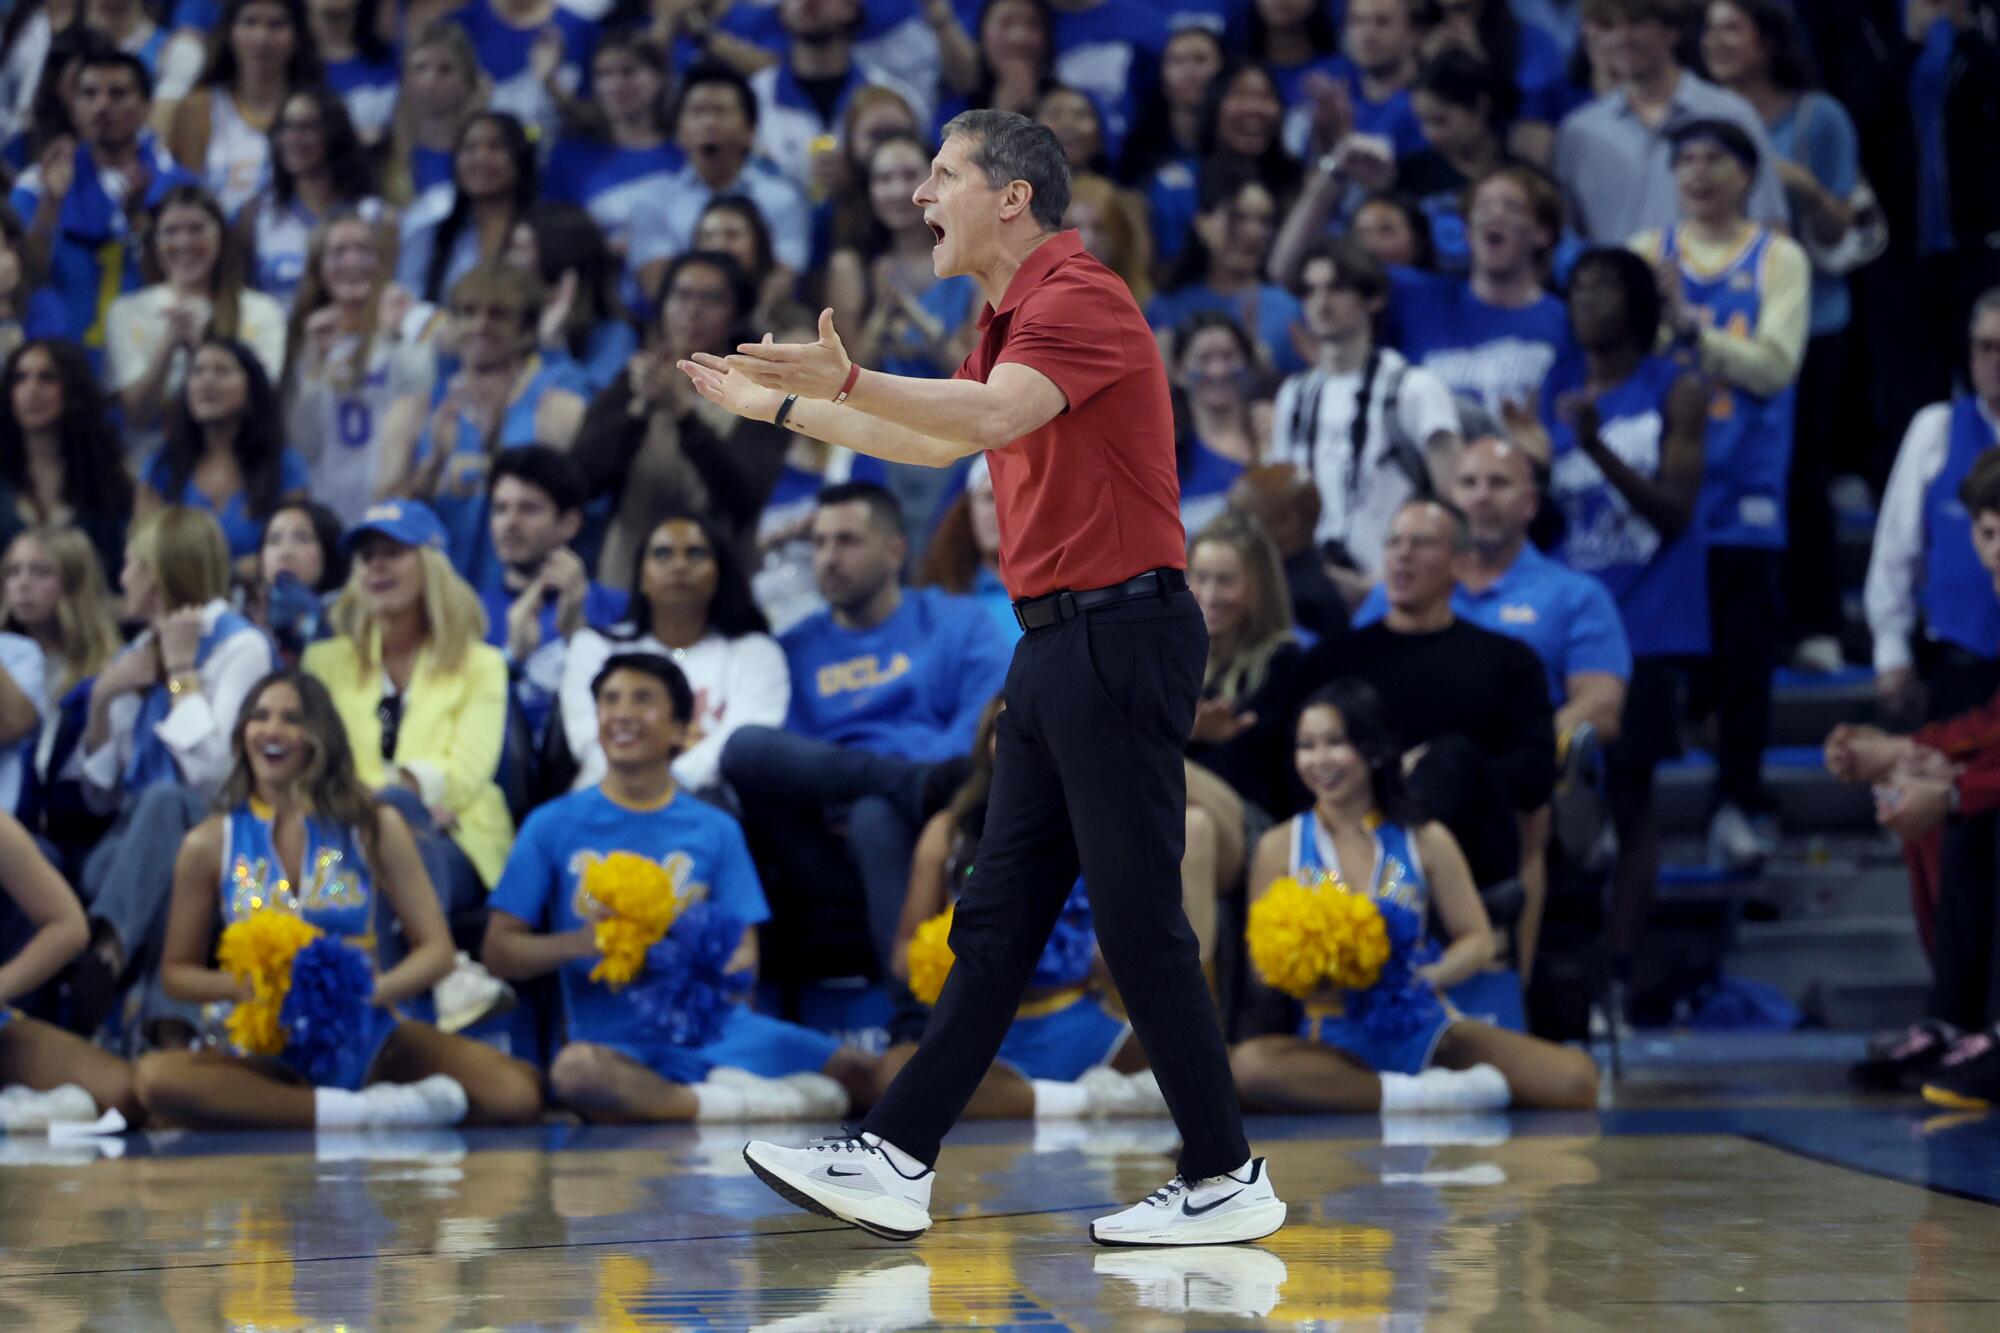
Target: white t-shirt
{"points": [[339, 430], [740, 682], [1312, 428]]}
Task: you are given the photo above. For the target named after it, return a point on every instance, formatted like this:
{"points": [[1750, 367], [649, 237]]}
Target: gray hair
{"points": [[1009, 147], [1987, 302]]}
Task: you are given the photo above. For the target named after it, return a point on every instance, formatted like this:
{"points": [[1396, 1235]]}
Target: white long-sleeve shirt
{"points": [[738, 682], [196, 730], [1896, 560]]}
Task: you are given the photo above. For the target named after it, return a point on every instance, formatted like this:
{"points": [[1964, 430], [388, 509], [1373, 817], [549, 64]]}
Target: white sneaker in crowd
{"points": [[469, 995], [1734, 842], [1820, 655], [25, 1109], [1219, 1210], [429, 1102], [849, 1179]]}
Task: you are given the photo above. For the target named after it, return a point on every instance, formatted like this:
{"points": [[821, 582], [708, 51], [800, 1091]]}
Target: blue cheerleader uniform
{"points": [[1399, 879], [1064, 1034], [335, 893]]}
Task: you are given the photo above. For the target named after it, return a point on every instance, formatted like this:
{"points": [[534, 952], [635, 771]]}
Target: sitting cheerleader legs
{"points": [[1363, 831], [48, 1075], [1065, 1056], [302, 854], [643, 900]]}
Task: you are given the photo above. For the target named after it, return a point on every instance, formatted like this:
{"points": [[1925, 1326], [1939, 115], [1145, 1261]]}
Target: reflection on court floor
{"points": [[1746, 1212]]}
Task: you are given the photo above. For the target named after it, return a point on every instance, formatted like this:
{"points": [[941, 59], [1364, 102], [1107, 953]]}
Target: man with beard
{"points": [[887, 682], [79, 199], [715, 124]]}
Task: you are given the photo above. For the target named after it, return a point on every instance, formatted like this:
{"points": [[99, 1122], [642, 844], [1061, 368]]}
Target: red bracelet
{"points": [[847, 385]]}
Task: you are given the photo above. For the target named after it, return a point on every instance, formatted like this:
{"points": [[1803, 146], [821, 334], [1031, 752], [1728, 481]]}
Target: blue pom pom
{"points": [[1072, 945], [326, 1007], [685, 990], [1399, 1002]]}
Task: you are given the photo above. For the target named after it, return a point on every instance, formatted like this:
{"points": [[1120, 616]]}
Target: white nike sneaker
{"points": [[849, 1180], [1220, 1210], [24, 1108]]}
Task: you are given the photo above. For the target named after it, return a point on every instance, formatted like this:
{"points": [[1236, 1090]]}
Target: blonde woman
{"points": [[52, 591], [155, 745], [1239, 582], [423, 696], [442, 88], [356, 390], [1112, 225]]}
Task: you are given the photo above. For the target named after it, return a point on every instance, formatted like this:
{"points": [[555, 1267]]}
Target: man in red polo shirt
{"points": [[1067, 394]]}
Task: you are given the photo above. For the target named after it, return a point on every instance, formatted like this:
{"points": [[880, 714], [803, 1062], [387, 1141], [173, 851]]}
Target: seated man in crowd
{"points": [[536, 592], [1923, 559], [1472, 705], [1939, 789], [617, 1065], [887, 682], [1568, 619]]}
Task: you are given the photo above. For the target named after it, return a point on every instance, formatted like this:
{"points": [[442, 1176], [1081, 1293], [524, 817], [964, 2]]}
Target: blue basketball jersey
{"points": [[1749, 449], [1399, 873], [1661, 587], [1958, 599], [333, 891]]}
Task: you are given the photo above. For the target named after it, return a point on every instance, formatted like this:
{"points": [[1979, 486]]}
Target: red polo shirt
{"points": [[1093, 497]]}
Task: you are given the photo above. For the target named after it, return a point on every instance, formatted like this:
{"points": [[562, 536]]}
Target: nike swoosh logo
{"points": [[1187, 1205], [836, 1171]]}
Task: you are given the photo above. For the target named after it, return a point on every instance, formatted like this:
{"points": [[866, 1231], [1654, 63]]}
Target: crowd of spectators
{"points": [[1517, 350]]}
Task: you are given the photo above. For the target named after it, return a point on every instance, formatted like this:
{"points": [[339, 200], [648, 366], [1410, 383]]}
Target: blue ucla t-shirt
{"points": [[243, 531], [912, 686], [1486, 352], [701, 847]]}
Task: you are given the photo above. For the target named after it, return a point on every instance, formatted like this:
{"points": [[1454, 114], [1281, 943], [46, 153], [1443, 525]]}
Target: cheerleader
{"points": [[1364, 830], [48, 1074], [1066, 1054], [301, 834]]}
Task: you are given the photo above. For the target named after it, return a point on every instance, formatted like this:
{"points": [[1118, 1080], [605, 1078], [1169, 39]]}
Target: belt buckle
{"points": [[1065, 605]]}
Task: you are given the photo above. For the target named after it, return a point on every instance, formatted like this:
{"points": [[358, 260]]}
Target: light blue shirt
{"points": [[1568, 618], [671, 230]]}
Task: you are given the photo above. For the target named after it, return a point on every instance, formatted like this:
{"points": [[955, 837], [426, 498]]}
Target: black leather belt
{"points": [[1042, 612]]}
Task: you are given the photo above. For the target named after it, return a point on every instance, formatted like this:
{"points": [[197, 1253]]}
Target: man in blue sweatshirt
{"points": [[887, 683]]}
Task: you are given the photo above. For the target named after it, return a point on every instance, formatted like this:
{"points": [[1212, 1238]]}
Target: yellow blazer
{"points": [[450, 737]]}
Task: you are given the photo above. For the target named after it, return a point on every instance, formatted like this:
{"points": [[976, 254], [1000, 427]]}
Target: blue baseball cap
{"points": [[410, 522]]}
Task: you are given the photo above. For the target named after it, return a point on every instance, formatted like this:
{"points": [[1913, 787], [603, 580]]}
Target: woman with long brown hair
{"points": [[200, 288], [298, 832]]}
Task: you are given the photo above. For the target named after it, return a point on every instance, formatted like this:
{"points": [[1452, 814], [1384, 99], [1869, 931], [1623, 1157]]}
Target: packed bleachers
{"points": [[1608, 383]]}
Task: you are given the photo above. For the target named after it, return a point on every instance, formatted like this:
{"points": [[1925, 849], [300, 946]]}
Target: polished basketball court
{"points": [[1736, 1185]]}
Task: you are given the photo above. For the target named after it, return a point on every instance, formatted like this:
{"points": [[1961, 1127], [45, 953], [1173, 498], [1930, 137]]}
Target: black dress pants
{"points": [[1087, 774], [1743, 628]]}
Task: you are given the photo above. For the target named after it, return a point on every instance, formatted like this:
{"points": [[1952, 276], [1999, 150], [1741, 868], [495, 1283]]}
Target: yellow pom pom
{"points": [[931, 957], [1359, 939], [259, 949], [1291, 935], [639, 901]]}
